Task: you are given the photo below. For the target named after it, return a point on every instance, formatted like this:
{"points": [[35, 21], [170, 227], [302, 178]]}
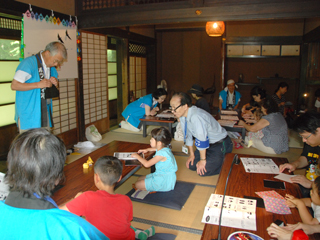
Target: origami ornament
{"points": [[27, 14], [54, 20], [47, 18], [50, 19], [40, 17], [64, 23], [32, 15]]}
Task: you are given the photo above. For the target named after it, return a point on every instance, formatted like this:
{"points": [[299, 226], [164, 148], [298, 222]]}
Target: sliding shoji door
{"points": [[64, 108], [95, 78]]}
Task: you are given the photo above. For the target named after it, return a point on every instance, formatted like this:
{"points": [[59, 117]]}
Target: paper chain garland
{"points": [[51, 19]]}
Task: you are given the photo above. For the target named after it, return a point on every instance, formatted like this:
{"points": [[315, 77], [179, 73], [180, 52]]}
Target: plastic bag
{"points": [[92, 134], [178, 135]]}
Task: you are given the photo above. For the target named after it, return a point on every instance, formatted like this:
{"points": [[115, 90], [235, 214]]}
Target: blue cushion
{"points": [[174, 199]]}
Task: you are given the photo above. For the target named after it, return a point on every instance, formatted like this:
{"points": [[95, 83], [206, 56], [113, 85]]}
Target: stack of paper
{"points": [[165, 115], [229, 117], [226, 123], [229, 112]]}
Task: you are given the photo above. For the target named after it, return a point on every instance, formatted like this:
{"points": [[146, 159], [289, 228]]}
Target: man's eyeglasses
{"points": [[306, 137], [174, 110]]}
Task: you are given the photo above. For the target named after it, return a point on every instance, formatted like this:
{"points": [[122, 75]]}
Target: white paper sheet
{"points": [[4, 188], [284, 177], [140, 194], [229, 117], [260, 165], [126, 155], [237, 212]]}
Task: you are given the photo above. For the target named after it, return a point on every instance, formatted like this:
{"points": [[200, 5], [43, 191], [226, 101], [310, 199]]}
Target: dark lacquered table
{"points": [[79, 179], [156, 121], [242, 184]]}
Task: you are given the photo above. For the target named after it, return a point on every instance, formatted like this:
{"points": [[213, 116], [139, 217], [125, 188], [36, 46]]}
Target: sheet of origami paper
{"points": [[270, 194], [276, 205], [274, 202]]}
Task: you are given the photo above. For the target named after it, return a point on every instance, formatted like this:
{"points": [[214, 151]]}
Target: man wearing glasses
{"points": [[308, 127], [211, 140]]}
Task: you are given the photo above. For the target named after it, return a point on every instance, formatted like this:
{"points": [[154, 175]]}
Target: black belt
{"points": [[220, 141]]}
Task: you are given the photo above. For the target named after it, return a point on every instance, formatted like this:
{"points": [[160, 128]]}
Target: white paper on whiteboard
{"points": [[37, 34]]}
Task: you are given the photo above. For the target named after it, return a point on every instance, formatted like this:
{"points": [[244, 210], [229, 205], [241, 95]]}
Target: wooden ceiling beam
{"points": [[177, 12]]}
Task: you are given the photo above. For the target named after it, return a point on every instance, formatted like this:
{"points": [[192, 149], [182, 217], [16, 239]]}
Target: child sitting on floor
{"points": [[303, 203], [109, 212], [164, 178]]}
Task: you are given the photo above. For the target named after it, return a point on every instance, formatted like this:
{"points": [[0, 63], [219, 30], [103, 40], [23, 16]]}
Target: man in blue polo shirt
{"points": [[33, 75], [211, 140]]}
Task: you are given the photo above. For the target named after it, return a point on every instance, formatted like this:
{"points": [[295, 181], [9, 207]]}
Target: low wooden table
{"points": [[235, 128], [156, 121], [79, 179], [246, 184]]}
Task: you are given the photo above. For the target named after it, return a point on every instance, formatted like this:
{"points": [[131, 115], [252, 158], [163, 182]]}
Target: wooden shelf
{"points": [[248, 84], [279, 79]]}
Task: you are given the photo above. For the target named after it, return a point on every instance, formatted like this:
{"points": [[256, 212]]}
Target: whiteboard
{"points": [[37, 34]]}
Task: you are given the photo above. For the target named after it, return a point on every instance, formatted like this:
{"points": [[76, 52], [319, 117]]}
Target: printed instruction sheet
{"points": [[237, 212], [260, 165]]}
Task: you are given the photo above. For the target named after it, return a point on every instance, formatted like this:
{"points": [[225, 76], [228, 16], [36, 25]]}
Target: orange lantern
{"points": [[215, 29]]}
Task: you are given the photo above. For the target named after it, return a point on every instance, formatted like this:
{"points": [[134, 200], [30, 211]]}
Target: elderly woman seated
{"points": [[270, 133], [35, 166]]}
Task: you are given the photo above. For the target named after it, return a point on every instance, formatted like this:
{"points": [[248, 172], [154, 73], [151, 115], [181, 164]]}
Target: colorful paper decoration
{"points": [[274, 202], [41, 17], [27, 14]]}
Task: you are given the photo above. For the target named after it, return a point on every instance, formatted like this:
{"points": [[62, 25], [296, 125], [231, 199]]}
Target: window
{"points": [[9, 60], [112, 74]]}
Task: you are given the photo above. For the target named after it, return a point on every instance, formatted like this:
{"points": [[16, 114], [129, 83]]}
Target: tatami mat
{"points": [[181, 235], [189, 216], [121, 130], [295, 141], [186, 223]]}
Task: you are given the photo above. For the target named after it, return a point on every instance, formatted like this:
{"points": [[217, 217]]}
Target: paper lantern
{"points": [[215, 29]]}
